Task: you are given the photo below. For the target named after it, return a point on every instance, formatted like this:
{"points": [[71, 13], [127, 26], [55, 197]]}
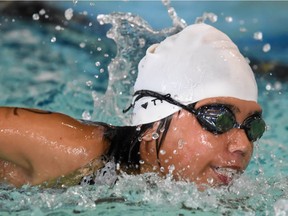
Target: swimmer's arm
{"points": [[42, 145]]}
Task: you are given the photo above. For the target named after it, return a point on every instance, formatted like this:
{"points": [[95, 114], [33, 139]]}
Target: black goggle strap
{"points": [[147, 93], [190, 108]]}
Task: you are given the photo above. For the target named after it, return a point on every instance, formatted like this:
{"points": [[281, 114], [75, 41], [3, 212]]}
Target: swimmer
{"points": [[195, 117]]}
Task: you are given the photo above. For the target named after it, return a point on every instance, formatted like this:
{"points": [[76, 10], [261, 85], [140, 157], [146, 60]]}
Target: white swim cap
{"points": [[197, 63]]}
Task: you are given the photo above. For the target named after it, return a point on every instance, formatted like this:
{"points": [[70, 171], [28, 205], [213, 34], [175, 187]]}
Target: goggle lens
{"points": [[215, 118], [254, 127], [219, 119]]}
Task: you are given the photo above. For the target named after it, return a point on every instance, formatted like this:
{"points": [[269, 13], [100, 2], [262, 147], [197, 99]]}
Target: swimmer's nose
{"points": [[239, 143]]}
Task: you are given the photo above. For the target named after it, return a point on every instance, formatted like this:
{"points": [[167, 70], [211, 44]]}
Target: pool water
{"points": [[70, 66]]}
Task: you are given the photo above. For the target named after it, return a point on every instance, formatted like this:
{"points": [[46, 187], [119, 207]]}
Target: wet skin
{"points": [[197, 154], [36, 146]]}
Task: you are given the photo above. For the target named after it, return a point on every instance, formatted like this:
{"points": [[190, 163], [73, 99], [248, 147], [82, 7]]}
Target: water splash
{"points": [[68, 14], [133, 36], [150, 192], [207, 16], [176, 20]]}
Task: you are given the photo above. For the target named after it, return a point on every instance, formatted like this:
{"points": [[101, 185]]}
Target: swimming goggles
{"points": [[215, 118]]}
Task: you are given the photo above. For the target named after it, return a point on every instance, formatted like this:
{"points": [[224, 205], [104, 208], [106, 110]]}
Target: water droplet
{"points": [[210, 180], [268, 87], [229, 19], [53, 39], [139, 139], [90, 24], [175, 152], [42, 12], [261, 171], [141, 161], [266, 47], [172, 12], [86, 115], [59, 28], [89, 83], [138, 128], [162, 152], [35, 16], [97, 64], [101, 70], [99, 49], [171, 168], [68, 13], [162, 129], [210, 16], [82, 45], [155, 136], [278, 85], [255, 67], [258, 36], [181, 144], [213, 17], [142, 42], [101, 19], [162, 169], [165, 2]]}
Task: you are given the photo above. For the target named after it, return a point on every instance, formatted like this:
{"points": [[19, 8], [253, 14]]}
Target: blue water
{"points": [[70, 75]]}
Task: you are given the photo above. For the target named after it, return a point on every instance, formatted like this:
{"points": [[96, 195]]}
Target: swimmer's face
{"points": [[200, 156]]}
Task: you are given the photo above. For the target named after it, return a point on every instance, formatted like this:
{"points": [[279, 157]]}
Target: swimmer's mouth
{"points": [[227, 174]]}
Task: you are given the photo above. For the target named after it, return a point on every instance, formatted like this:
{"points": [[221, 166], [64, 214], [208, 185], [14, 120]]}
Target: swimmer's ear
{"points": [[147, 136]]}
